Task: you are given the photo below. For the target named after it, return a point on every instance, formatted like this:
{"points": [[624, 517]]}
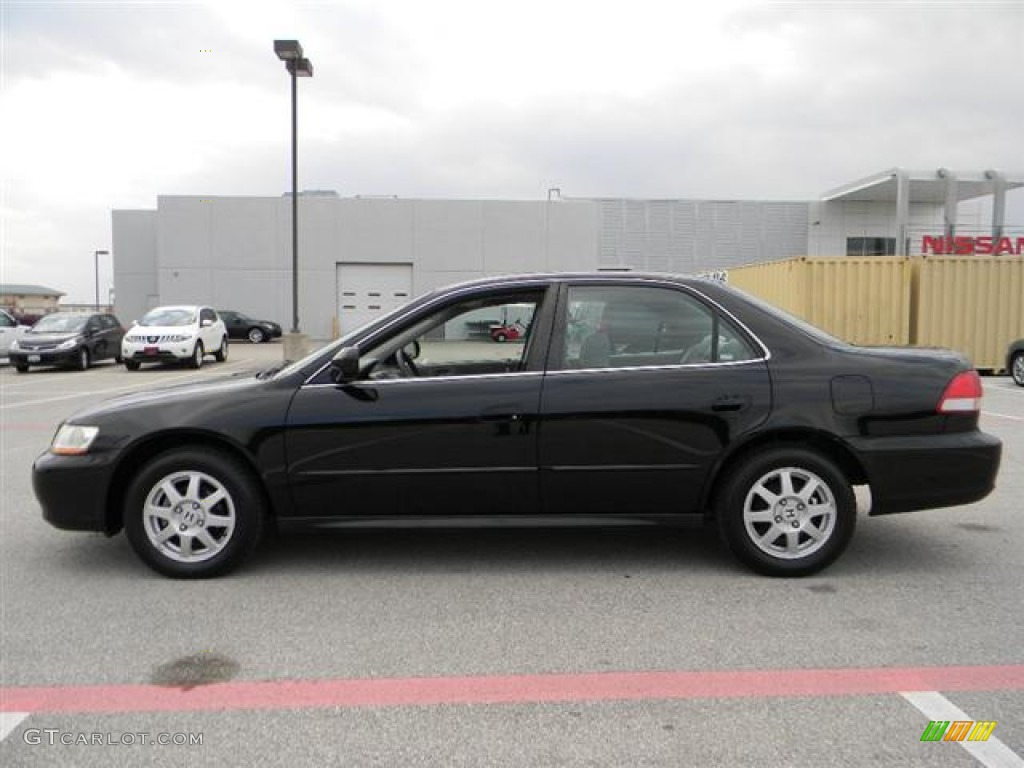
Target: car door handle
{"points": [[729, 404], [502, 415]]}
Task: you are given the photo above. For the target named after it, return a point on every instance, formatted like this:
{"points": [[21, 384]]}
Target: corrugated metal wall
{"points": [[685, 236], [974, 305]]}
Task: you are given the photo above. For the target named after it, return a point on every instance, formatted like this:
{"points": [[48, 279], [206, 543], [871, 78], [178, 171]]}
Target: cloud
{"points": [[117, 103]]}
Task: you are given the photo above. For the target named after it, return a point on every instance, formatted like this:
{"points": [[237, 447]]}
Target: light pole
{"points": [[290, 52], [96, 257]]}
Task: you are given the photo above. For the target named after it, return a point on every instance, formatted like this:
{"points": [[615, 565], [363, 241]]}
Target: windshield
{"points": [[168, 316], [60, 324]]}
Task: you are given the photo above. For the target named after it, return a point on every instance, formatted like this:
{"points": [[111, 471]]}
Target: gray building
{"points": [[359, 257]]}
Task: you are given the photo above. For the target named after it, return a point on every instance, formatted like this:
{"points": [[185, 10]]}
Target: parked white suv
{"points": [[184, 334]]}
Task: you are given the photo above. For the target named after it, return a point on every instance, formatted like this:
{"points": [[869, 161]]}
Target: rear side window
{"points": [[630, 326]]}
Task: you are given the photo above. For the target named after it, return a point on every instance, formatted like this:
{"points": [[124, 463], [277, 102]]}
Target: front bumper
{"points": [[43, 356], [928, 471], [177, 351], [73, 491]]}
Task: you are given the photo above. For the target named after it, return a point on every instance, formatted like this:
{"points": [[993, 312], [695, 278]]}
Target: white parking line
{"points": [[1003, 416], [992, 753], [137, 386], [9, 721]]}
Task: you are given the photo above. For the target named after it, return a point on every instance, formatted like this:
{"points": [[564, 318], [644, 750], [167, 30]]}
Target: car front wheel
{"points": [[256, 335], [82, 363], [787, 512], [196, 361], [1017, 369], [194, 513]]}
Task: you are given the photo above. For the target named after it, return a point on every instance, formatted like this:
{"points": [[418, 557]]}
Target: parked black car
{"points": [[633, 400], [1015, 361], [241, 326], [69, 339]]}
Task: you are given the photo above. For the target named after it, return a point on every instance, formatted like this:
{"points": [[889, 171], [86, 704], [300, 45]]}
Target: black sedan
{"points": [[633, 400], [68, 339], [1015, 361], [241, 326]]}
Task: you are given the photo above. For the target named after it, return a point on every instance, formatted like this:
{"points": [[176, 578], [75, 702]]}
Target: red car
{"points": [[508, 332]]}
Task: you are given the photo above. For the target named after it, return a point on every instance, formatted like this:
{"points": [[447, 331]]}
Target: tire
{"points": [[118, 359], [256, 335], [222, 354], [501, 338], [132, 365], [83, 361], [1017, 369], [21, 367], [771, 528], [173, 526], [196, 361]]}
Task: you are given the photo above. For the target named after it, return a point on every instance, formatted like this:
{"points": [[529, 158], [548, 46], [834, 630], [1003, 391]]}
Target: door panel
{"points": [[642, 441], [452, 446]]}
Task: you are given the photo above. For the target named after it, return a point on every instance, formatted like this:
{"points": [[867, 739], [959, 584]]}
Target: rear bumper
{"points": [[927, 472], [72, 490]]}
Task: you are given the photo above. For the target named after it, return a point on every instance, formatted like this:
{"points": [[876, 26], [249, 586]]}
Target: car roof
{"points": [[609, 276]]}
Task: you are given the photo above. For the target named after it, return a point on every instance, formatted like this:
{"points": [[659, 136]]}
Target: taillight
{"points": [[962, 395]]}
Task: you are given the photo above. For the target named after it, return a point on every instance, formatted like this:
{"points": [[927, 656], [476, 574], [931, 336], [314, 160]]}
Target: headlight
{"points": [[178, 337], [69, 344], [73, 439], [15, 346]]}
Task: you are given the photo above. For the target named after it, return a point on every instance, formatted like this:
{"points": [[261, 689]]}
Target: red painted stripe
{"points": [[621, 686], [27, 426]]}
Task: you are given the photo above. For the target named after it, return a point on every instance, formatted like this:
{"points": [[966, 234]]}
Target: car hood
{"points": [[207, 393], [47, 338], [161, 330]]}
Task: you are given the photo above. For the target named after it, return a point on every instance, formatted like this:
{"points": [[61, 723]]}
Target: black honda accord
{"points": [[630, 399]]}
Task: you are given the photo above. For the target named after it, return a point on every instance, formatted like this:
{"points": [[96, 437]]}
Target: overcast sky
{"points": [[106, 105]]}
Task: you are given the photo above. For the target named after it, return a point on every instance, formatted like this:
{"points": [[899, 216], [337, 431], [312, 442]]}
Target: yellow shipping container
{"points": [[971, 304], [860, 300], [974, 305]]}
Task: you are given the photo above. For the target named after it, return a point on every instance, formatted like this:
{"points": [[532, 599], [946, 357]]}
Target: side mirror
{"points": [[345, 365], [206, 323]]}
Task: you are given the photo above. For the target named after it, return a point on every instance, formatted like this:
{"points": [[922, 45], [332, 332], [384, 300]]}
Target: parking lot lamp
{"points": [[290, 52], [96, 257]]}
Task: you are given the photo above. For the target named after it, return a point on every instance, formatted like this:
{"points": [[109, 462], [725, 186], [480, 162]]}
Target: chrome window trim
{"points": [[422, 379], [569, 281]]}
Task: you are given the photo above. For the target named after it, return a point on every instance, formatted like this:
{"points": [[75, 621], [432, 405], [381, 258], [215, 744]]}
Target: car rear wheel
{"points": [[501, 338], [82, 363], [1017, 369], [787, 512], [131, 365], [194, 513], [256, 335], [196, 361], [222, 354]]}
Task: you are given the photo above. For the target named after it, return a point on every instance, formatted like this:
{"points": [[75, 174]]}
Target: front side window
{"points": [[631, 326], [479, 336]]}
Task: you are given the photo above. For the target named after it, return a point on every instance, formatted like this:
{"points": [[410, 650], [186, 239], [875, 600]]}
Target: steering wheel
{"points": [[405, 363]]}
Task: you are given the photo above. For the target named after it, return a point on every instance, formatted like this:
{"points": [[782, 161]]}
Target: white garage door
{"points": [[367, 291]]}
